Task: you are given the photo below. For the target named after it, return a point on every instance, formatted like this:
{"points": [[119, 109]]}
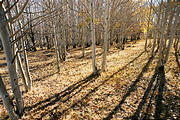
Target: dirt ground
{"points": [[131, 88]]}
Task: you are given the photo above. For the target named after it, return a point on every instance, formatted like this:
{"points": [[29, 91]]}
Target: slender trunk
{"points": [[79, 29], [73, 23], [56, 48], [176, 51], [173, 30], [64, 35], [1, 46], [7, 102], [149, 19], [68, 24], [169, 27], [26, 79], [111, 37], [156, 29], [164, 21], [93, 38], [122, 41], [105, 35], [22, 73], [27, 72], [83, 38], [5, 37]]}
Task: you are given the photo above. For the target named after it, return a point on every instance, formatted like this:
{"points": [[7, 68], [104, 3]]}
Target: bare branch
{"points": [[9, 8], [15, 17]]}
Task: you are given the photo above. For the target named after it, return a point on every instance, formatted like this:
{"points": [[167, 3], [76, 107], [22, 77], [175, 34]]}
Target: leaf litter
{"points": [[122, 92]]}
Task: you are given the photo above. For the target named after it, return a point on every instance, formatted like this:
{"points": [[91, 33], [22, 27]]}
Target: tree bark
{"points": [[156, 29], [173, 30], [1, 46], [83, 38], [73, 23], [149, 19], [7, 102], [5, 37], [161, 43], [105, 35], [29, 80], [22, 73], [79, 28], [93, 38], [56, 48]]}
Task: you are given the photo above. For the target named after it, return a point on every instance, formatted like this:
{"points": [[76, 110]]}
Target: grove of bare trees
{"points": [[61, 25]]}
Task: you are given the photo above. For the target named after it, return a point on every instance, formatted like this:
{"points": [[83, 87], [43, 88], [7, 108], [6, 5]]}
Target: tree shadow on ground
{"points": [[158, 96], [156, 103], [40, 66], [131, 89], [69, 92], [44, 77], [64, 94], [88, 54], [80, 103]]}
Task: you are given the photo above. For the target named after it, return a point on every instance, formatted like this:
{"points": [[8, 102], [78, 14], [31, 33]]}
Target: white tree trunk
{"points": [[149, 19], [93, 38], [79, 29], [164, 21], [83, 39], [105, 34], [64, 34], [7, 102], [27, 72], [56, 48], [29, 80], [156, 29], [173, 30], [5, 37], [73, 23], [22, 73]]}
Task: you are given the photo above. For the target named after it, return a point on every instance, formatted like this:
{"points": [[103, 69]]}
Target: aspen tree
{"points": [[5, 37], [164, 21], [156, 29], [105, 34], [173, 30], [7, 102], [149, 19], [93, 37]]}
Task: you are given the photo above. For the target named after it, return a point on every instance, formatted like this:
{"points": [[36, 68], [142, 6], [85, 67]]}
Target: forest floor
{"points": [[131, 88]]}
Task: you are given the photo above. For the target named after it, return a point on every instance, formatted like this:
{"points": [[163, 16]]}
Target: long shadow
{"points": [[69, 90], [161, 78], [89, 56], [62, 94], [149, 106], [58, 114], [57, 97], [44, 77], [144, 99], [170, 106], [79, 103], [38, 79], [131, 89], [37, 67]]}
